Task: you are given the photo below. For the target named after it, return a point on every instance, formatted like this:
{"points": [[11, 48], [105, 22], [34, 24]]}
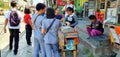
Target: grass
{"points": [[89, 53]]}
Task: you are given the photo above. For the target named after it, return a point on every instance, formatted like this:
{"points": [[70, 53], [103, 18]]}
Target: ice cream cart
{"points": [[68, 40]]}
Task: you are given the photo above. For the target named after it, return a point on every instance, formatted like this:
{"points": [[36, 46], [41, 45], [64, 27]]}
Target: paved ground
{"points": [[27, 51]]}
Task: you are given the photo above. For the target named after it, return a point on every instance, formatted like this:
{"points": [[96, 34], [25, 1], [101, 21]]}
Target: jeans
{"points": [[14, 35], [52, 48], [28, 34], [39, 47]]}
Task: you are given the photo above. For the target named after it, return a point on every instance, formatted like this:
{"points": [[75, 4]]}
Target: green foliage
{"points": [[89, 53], [4, 4]]}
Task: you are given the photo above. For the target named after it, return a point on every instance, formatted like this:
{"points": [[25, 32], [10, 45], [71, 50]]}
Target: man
{"points": [[37, 19], [13, 20], [69, 4]]}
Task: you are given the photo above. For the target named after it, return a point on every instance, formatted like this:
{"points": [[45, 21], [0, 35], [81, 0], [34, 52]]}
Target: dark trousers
{"points": [[28, 34], [14, 35]]}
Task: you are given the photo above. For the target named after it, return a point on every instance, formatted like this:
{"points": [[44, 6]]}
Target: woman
{"points": [[69, 4], [28, 26], [71, 19], [96, 27], [57, 14], [50, 27]]}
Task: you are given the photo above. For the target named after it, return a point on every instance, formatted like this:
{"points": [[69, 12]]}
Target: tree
{"points": [[4, 4]]}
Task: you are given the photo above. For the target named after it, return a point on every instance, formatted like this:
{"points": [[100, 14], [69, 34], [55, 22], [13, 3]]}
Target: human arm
{"points": [[6, 21], [76, 21], [5, 24], [64, 8], [30, 22], [43, 30]]}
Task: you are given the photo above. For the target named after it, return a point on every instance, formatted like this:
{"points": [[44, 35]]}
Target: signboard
{"points": [[63, 2], [115, 34]]}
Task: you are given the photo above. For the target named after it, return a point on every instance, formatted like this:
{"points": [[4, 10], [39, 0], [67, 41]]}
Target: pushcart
{"points": [[68, 41]]}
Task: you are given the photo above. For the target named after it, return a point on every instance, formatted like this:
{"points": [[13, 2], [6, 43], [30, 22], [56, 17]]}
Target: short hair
{"points": [[13, 4], [40, 6], [27, 11], [70, 9], [92, 17], [50, 13]]}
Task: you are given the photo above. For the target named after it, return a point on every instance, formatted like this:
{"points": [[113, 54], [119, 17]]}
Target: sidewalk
{"points": [[4, 37], [24, 49], [27, 51]]}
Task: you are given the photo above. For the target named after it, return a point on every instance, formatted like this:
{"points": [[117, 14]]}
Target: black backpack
{"points": [[14, 19]]}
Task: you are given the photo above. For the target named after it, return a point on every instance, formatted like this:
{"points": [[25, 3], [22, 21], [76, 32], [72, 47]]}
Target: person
{"points": [[37, 19], [97, 14], [71, 19], [13, 26], [69, 4], [95, 28], [28, 26], [50, 27], [57, 14]]}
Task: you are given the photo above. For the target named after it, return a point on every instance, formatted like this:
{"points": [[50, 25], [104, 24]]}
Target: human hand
{"points": [[67, 23], [88, 26], [5, 30], [32, 27]]}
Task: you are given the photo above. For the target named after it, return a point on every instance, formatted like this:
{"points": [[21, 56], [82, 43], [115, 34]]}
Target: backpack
{"points": [[14, 18]]}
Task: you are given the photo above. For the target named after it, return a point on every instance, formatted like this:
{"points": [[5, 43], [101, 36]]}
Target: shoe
{"points": [[10, 48], [29, 44], [15, 52]]}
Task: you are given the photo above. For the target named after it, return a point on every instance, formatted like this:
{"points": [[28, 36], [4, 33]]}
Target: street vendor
{"points": [[71, 19], [95, 28]]}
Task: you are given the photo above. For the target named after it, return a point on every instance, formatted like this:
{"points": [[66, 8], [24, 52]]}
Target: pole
{"points": [[105, 15], [105, 10]]}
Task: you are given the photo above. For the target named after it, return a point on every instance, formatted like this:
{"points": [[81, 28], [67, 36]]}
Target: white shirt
{"points": [[66, 6], [7, 16]]}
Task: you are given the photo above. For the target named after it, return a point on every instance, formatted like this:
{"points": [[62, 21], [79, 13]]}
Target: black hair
{"points": [[92, 17], [56, 8], [40, 6], [70, 9], [27, 11], [13, 4], [50, 13]]}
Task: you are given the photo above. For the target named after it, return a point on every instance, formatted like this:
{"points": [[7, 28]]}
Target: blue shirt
{"points": [[37, 25], [51, 36], [58, 17]]}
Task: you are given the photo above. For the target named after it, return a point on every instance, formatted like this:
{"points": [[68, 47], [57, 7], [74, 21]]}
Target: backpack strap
{"points": [[36, 18], [50, 26]]}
